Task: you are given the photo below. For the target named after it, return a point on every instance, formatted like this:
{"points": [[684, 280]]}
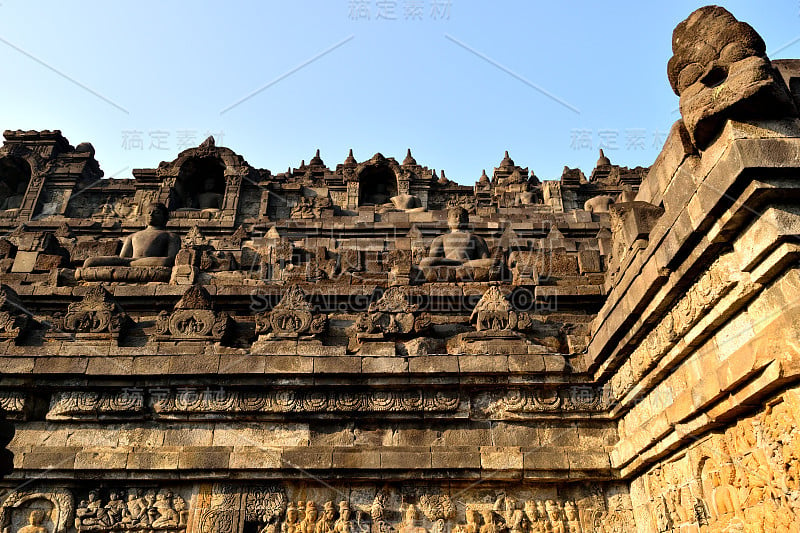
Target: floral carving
{"points": [[707, 291], [296, 401], [390, 316], [92, 405]]}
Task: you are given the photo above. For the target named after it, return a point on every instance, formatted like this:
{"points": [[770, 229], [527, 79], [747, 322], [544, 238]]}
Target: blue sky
{"points": [[457, 81]]}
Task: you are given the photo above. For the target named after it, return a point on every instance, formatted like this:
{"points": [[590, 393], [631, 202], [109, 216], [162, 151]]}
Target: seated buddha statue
{"points": [[468, 254], [408, 203], [35, 519], [152, 246], [209, 198], [598, 204]]}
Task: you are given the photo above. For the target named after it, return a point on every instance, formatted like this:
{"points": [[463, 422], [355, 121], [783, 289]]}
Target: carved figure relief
{"points": [[193, 318], [292, 317], [43, 509], [494, 312], [459, 254], [741, 479], [392, 313], [96, 316], [146, 511]]}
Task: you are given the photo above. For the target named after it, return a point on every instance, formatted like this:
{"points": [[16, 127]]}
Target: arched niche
{"points": [[200, 183], [376, 185], [15, 176], [56, 504]]}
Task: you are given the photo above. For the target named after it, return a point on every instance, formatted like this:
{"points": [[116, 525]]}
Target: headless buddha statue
{"points": [[152, 246]]}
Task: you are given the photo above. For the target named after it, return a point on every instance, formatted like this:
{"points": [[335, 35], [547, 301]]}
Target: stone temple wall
{"points": [[211, 347]]}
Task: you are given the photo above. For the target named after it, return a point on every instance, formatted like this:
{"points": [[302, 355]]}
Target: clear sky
{"points": [[457, 81]]}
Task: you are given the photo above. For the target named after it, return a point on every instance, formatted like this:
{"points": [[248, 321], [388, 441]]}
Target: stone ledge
{"points": [[747, 374], [772, 257], [506, 462], [727, 171], [283, 365]]}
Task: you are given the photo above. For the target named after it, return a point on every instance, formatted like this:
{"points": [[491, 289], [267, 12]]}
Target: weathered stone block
{"points": [[544, 459], [50, 459], [255, 458], [501, 457], [589, 261], [307, 457], [406, 458], [106, 459], [211, 458], [288, 365], [456, 457], [361, 458], [433, 364], [337, 365], [384, 365]]}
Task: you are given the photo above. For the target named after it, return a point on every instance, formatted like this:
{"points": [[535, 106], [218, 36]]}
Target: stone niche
{"points": [[36, 510], [377, 184], [15, 176], [202, 183]]}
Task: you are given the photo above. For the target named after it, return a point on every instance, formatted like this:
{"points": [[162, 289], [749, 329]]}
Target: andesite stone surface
{"points": [[211, 347]]}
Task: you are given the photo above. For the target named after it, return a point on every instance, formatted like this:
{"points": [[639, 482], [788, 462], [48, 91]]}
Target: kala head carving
{"points": [[720, 70]]}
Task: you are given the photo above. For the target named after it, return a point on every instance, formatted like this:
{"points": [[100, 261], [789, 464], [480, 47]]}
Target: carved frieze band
{"points": [[88, 405], [552, 399], [192, 402], [295, 401], [180, 402], [743, 478], [47, 509], [226, 508]]}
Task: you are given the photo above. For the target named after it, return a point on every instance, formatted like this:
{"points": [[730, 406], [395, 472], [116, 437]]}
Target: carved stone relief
{"points": [[193, 318], [52, 507], [709, 289], [13, 318], [96, 317], [293, 317], [742, 479]]}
